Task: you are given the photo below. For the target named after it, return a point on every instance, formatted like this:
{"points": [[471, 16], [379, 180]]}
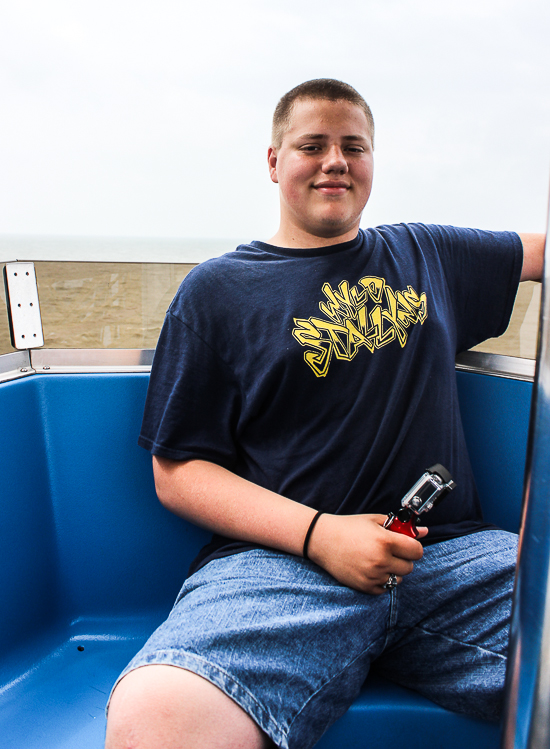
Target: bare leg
{"points": [[165, 707]]}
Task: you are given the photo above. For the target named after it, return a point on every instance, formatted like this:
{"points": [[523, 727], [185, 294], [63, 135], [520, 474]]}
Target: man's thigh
{"points": [[451, 625], [279, 636]]}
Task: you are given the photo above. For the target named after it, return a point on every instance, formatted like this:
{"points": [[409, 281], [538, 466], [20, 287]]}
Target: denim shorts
{"points": [[292, 646]]}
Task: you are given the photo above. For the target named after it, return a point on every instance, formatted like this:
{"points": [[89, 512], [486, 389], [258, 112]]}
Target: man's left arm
{"points": [[533, 256]]}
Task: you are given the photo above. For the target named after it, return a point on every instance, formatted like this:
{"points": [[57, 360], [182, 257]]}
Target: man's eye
{"points": [[311, 147]]}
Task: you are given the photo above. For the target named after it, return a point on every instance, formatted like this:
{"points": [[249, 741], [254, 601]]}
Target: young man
{"points": [[299, 388]]}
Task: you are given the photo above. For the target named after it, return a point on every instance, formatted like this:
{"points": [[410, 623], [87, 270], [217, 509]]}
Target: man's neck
{"points": [[296, 238]]}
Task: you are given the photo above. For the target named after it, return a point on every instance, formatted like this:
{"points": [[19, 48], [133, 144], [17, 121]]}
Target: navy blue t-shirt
{"points": [[327, 375]]}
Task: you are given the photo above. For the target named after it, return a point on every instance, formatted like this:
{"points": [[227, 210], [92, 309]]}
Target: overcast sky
{"points": [[152, 119]]}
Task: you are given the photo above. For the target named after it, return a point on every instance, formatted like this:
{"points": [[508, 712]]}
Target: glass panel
{"points": [[122, 305], [520, 339], [105, 305]]}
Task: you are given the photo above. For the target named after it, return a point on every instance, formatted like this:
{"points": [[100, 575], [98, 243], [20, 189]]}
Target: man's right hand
{"points": [[360, 553], [354, 549]]}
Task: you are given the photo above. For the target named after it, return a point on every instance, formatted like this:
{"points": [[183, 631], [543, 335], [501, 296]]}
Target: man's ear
{"points": [[272, 162]]}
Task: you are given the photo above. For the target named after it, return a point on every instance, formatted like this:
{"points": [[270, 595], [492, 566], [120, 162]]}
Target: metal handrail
{"points": [[498, 365], [70, 360], [527, 700]]}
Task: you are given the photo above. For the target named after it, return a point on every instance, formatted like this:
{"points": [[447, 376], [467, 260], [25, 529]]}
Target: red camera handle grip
{"points": [[405, 527]]}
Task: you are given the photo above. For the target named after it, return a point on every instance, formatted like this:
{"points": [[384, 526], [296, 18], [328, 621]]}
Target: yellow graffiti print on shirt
{"points": [[370, 314]]}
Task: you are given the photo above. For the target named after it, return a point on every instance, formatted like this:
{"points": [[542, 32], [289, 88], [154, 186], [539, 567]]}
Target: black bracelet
{"points": [[308, 534]]}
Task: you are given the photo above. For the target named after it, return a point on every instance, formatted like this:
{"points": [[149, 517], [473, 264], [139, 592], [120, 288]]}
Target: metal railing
{"points": [[527, 704]]}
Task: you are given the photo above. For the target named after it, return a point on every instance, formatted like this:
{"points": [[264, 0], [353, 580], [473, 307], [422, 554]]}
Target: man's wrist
{"points": [[305, 549]]}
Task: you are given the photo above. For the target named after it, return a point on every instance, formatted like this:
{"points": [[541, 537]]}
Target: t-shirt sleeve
{"points": [[482, 271], [193, 400]]}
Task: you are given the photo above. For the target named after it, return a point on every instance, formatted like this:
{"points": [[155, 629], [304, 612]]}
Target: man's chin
{"points": [[333, 228]]}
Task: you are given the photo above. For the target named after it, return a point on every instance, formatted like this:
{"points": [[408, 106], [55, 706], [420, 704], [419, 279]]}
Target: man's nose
{"points": [[335, 160]]}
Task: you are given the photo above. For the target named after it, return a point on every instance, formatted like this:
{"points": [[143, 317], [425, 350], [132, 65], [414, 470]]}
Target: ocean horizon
{"points": [[113, 249]]}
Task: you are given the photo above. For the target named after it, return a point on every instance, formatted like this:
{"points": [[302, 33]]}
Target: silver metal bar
{"points": [[139, 360], [527, 703], [23, 305], [511, 367], [56, 361]]}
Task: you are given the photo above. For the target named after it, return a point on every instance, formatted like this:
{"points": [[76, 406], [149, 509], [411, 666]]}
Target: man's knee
{"points": [[168, 707]]}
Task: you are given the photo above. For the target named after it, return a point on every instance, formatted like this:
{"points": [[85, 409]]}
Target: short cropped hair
{"points": [[319, 88]]}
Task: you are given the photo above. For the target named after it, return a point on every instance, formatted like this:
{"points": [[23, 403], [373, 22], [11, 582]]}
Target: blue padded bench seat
{"points": [[90, 562]]}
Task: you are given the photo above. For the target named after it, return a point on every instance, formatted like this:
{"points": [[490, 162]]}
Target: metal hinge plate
{"points": [[23, 306]]}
